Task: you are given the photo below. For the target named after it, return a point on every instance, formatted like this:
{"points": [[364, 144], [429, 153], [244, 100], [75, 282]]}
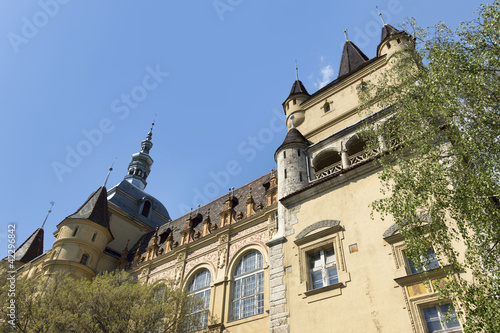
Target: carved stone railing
{"points": [[362, 156], [334, 168]]}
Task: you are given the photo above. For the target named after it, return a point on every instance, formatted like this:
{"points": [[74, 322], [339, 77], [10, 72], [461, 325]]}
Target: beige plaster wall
{"points": [[370, 300]]}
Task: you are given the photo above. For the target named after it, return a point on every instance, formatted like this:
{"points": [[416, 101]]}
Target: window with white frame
{"points": [[441, 319], [427, 262], [248, 286], [323, 268], [199, 286]]}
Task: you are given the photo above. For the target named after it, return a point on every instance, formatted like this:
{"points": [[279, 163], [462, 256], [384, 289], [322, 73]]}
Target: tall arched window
{"points": [[199, 286], [248, 286]]}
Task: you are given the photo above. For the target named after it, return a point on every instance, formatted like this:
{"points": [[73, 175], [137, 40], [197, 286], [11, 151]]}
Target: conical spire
{"points": [[31, 248], [298, 88], [293, 137], [95, 208], [388, 30], [140, 164], [352, 58]]}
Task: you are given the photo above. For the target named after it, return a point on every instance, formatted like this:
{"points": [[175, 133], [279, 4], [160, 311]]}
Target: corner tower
{"points": [[81, 239], [140, 164]]}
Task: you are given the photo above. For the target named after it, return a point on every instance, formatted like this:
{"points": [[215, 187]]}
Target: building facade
{"points": [[294, 250]]}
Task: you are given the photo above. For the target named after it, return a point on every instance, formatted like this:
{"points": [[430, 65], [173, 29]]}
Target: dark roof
{"points": [[298, 88], [129, 198], [31, 248], [294, 137], [352, 58], [258, 188], [388, 30], [95, 208]]}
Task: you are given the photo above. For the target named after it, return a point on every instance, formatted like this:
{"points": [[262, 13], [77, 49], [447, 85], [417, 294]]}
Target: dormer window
{"points": [[146, 207], [326, 107]]}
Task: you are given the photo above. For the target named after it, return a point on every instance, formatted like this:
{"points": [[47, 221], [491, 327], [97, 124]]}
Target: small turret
{"points": [[81, 238], [291, 105], [292, 162], [393, 40]]}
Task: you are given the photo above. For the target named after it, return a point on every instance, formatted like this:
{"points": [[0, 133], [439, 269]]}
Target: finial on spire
{"points": [[291, 119], [296, 70], [109, 172], [50, 211], [346, 36], [380, 14], [150, 134]]}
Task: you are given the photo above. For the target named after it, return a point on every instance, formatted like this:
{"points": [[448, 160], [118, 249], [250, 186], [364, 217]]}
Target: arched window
{"points": [[248, 286], [85, 259], [145, 208], [199, 286]]}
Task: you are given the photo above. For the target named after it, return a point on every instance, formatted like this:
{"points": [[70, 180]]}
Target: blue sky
{"points": [[81, 82]]}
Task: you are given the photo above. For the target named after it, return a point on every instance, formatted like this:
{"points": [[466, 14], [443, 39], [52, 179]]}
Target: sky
{"points": [[82, 81]]}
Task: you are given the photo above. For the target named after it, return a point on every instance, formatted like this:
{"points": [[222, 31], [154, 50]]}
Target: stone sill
{"points": [[323, 289]]}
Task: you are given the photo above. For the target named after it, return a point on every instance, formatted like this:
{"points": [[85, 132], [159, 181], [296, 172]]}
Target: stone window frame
{"points": [[407, 279], [205, 312], [316, 237], [230, 279], [402, 261], [416, 306]]}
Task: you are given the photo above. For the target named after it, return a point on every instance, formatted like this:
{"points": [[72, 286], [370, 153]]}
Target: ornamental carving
{"points": [[181, 256], [222, 239], [178, 275], [221, 260]]}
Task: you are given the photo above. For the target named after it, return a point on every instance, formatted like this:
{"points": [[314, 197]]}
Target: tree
{"points": [[111, 302], [441, 175]]}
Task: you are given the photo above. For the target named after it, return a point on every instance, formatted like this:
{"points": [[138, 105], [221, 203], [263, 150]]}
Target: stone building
{"points": [[292, 251]]}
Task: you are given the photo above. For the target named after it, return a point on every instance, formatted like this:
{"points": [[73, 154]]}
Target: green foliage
{"points": [[111, 302], [441, 177]]}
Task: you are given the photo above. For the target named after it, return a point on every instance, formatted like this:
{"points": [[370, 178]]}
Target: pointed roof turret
{"points": [[293, 137], [31, 248], [94, 209], [298, 88], [352, 58], [388, 30]]}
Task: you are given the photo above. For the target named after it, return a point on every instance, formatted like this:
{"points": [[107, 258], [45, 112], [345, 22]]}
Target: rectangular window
{"points": [[427, 262], [75, 232], [441, 318], [323, 268]]}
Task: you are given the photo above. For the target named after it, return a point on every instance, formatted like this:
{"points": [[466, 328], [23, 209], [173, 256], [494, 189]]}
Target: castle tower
{"points": [[140, 164], [81, 239]]}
